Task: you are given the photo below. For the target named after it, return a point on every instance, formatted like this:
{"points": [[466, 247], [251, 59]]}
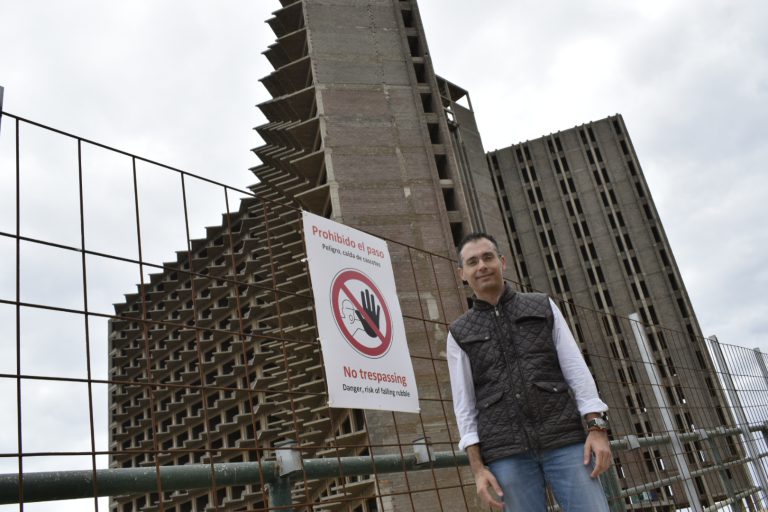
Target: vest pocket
{"points": [[552, 387], [481, 349], [556, 403], [535, 340], [485, 403], [492, 420], [530, 318], [476, 338]]}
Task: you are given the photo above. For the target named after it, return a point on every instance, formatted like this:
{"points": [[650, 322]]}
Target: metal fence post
{"points": [[423, 450], [741, 417], [761, 363], [610, 482], [288, 465], [280, 494], [666, 417], [727, 483], [764, 370]]}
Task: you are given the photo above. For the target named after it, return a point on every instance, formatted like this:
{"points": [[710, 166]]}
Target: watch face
{"points": [[598, 422]]}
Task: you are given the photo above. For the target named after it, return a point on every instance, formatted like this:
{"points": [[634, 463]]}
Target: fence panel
{"points": [[160, 352]]}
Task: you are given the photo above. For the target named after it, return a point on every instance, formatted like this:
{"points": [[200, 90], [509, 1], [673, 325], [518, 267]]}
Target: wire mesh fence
{"points": [[160, 352]]}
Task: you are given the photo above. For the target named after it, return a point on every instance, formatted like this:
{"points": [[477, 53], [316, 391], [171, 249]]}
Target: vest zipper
{"points": [[501, 323]]}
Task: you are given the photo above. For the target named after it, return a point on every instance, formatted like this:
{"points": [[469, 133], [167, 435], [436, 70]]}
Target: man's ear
{"points": [[503, 262], [461, 273]]}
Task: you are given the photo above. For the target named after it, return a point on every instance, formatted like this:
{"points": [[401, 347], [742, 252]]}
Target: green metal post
{"points": [[727, 483], [610, 482], [280, 494], [289, 464]]}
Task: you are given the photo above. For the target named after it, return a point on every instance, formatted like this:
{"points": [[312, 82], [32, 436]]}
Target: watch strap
{"points": [[598, 423]]}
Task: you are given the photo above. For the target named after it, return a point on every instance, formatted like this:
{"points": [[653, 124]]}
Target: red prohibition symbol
{"points": [[358, 315]]}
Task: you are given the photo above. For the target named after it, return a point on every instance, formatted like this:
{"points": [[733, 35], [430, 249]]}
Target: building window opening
{"points": [[434, 133], [420, 70], [415, 47], [441, 162], [408, 19], [449, 195], [456, 232], [426, 103]]}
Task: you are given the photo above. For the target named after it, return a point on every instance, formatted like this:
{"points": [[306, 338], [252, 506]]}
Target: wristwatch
{"points": [[599, 424]]}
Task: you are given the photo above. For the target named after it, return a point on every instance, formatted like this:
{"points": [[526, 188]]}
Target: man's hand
{"points": [[484, 479], [597, 444]]}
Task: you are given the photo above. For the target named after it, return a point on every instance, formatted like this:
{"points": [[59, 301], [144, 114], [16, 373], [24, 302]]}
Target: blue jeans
{"points": [[523, 479]]}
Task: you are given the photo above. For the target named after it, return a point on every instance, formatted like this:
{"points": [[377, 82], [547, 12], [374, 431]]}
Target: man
{"points": [[520, 390]]}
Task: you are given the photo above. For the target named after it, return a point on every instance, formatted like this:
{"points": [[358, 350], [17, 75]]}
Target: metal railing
{"points": [[280, 475]]}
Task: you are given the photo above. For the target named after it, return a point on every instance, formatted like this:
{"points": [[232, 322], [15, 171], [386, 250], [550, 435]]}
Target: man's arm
{"points": [[464, 407], [463, 391], [582, 384]]}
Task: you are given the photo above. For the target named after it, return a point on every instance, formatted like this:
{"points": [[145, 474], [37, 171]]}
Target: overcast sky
{"points": [[177, 82]]}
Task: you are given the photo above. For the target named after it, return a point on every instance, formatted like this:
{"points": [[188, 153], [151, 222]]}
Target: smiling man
{"points": [[522, 394]]}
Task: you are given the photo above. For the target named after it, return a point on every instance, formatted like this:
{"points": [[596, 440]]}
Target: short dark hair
{"points": [[473, 237]]}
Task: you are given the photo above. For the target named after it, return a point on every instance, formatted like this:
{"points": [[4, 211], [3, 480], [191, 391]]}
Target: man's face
{"points": [[482, 268]]}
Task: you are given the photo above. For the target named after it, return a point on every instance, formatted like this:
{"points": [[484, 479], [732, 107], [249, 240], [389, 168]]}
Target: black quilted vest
{"points": [[523, 401]]}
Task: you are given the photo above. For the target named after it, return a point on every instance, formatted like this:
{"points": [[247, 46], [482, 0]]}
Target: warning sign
{"points": [[363, 319], [361, 328]]}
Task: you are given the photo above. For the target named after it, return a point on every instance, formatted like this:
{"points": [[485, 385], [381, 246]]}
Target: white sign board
{"points": [[362, 335]]}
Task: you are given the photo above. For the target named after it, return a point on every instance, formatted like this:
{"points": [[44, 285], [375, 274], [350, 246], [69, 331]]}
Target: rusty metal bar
{"points": [[240, 320], [125, 153], [145, 330], [249, 193], [200, 359], [91, 424], [18, 311]]}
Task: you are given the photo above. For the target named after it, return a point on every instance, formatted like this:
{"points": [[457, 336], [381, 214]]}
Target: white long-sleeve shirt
{"points": [[572, 364]]}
